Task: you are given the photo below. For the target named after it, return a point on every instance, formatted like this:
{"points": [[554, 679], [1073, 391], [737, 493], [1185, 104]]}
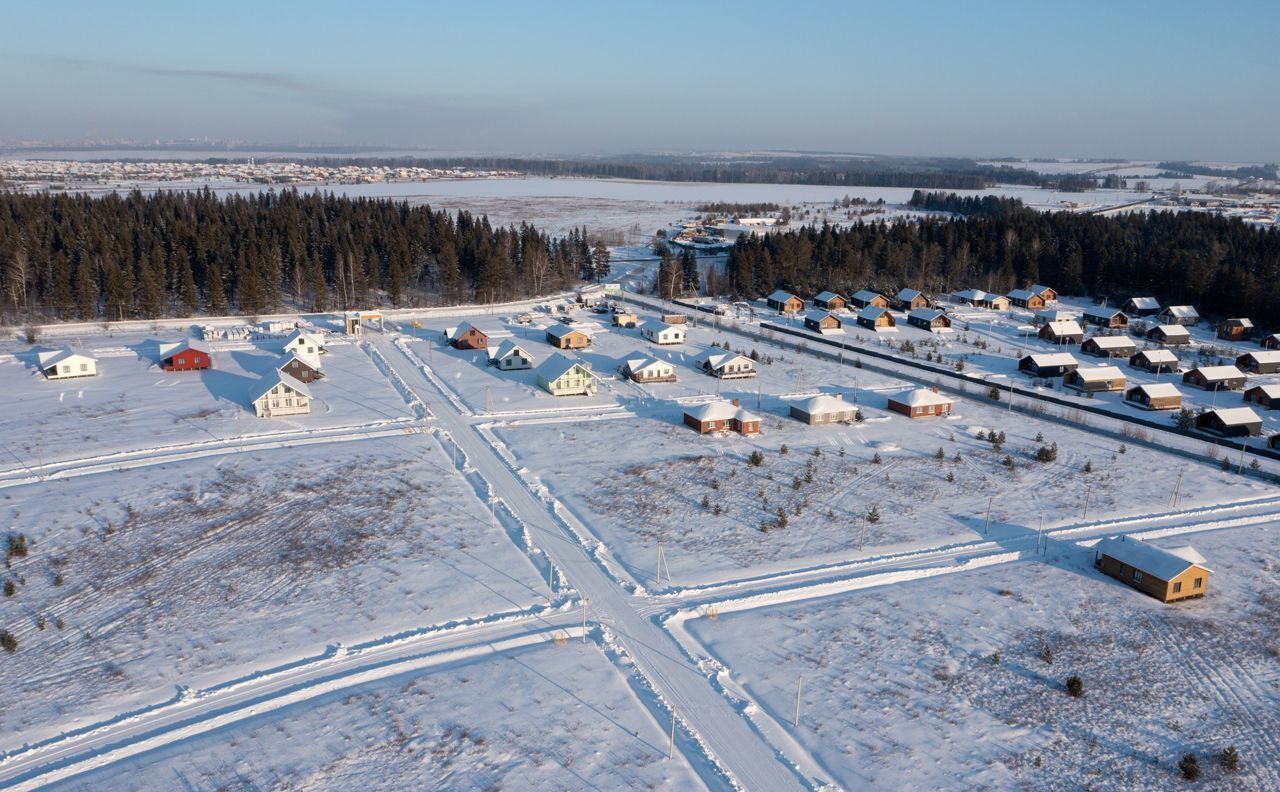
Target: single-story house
{"points": [[1168, 575], [66, 364], [1065, 332], [921, 402], [1265, 396], [1109, 346], [662, 333], [564, 336], [510, 356], [304, 368], [560, 376], [724, 364], [189, 354], [1105, 317], [1095, 379], [821, 321], [648, 370], [1270, 342], [1170, 334], [466, 336], [1155, 396], [1262, 362], [866, 298], [625, 320], [280, 394], [1056, 315], [1230, 422], [930, 319], [1180, 315], [830, 301], [785, 302], [1215, 377], [980, 299], [1156, 360], [722, 416], [1235, 329], [1047, 293], [1054, 364], [910, 300], [355, 321], [823, 409], [304, 343], [876, 318], [1025, 298], [676, 319], [1141, 306]]}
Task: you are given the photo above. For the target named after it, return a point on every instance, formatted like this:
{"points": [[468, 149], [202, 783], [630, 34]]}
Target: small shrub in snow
{"points": [[941, 454], [8, 642], [1186, 419], [993, 393], [1075, 686], [795, 483], [706, 502], [57, 579], [756, 459], [1039, 437], [1190, 767], [17, 545], [9, 588], [1088, 466], [873, 515], [782, 517], [783, 449], [1230, 759], [951, 477], [875, 459], [858, 416], [1226, 464], [817, 452], [1046, 654], [716, 510], [1123, 448], [715, 484], [1047, 453]]}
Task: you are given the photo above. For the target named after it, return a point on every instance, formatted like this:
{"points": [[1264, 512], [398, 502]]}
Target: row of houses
{"points": [[823, 409]]}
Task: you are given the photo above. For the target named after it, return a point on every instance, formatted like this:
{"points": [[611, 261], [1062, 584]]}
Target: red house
{"points": [[465, 336], [186, 355]]}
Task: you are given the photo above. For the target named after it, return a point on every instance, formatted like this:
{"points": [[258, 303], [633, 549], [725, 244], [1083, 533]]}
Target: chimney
{"points": [[735, 403]]}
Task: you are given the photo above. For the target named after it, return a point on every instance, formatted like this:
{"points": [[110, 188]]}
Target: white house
{"points": [[280, 394], [65, 364], [648, 370], [304, 343], [661, 332], [823, 409], [510, 356], [725, 365]]}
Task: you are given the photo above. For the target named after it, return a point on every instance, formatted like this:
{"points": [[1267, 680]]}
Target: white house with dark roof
{"points": [[647, 369], [725, 364]]}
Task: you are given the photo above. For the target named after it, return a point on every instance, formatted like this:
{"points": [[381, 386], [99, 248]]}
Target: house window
{"points": [[1177, 587], [1137, 576], [66, 369], [182, 361], [1198, 582]]}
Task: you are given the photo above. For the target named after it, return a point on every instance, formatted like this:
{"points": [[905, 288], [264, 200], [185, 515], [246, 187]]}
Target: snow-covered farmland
{"points": [[958, 681]]}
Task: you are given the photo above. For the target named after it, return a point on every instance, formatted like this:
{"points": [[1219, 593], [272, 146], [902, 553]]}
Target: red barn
{"points": [[186, 355]]}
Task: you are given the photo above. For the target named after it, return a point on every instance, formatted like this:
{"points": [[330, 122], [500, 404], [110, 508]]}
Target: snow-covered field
{"points": [[211, 600]]}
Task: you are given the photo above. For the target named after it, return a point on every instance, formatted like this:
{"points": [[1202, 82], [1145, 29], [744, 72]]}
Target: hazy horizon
{"points": [[1175, 81]]}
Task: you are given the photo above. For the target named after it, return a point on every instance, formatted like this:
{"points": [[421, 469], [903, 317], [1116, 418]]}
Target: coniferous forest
{"points": [[71, 257], [1222, 266]]}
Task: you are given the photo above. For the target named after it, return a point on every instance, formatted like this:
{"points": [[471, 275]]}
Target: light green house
{"points": [[560, 376]]}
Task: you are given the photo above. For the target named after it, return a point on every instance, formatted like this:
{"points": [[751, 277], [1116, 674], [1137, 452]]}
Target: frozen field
{"points": [[957, 682], [555, 717]]}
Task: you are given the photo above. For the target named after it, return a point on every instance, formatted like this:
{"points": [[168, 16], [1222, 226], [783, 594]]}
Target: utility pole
{"points": [[1087, 491], [551, 568], [986, 525], [671, 744], [799, 682], [1177, 487], [1039, 533], [862, 537], [584, 619]]}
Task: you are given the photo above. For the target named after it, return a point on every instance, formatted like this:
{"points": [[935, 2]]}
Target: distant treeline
{"points": [[1222, 266], [735, 209], [174, 254], [1175, 169], [970, 206]]}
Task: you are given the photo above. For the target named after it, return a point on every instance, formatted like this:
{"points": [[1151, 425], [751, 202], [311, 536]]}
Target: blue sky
{"points": [[1124, 79]]}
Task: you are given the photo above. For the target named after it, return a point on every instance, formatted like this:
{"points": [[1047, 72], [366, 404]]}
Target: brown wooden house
{"points": [[876, 318], [1064, 332], [1265, 396], [1112, 318], [722, 416], [1169, 335], [829, 301], [1155, 396], [821, 321], [1141, 306], [303, 368], [1270, 342], [1095, 379], [1263, 362], [1168, 575], [465, 336], [1230, 422], [566, 337], [1025, 298], [1156, 360], [1109, 346], [910, 300], [866, 298], [1215, 377], [1235, 329], [784, 302], [921, 403], [930, 319]]}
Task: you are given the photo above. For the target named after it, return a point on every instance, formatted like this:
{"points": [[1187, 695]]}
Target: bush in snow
{"points": [[783, 449], [858, 417], [9, 588], [8, 642], [1047, 453], [756, 459], [1075, 686], [1190, 767], [873, 515], [993, 393], [1230, 759], [941, 454]]}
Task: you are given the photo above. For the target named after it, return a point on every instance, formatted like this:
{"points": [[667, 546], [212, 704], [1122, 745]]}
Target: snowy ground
{"points": [[555, 717], [958, 681]]}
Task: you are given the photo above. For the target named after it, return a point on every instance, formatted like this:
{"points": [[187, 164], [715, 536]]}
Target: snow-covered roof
{"points": [[1219, 372], [715, 357], [720, 411], [1022, 294], [656, 326], [195, 344], [781, 296], [1065, 327], [826, 296], [825, 404], [508, 348], [866, 295], [1247, 324], [907, 295], [1173, 330], [560, 330], [1145, 303], [1101, 312], [1112, 342], [973, 295], [817, 316], [872, 312], [1055, 315], [454, 333], [1155, 561], [926, 314], [275, 378], [641, 363], [1159, 355], [1099, 373], [1158, 390], [1270, 391], [1040, 288], [1054, 359], [920, 397], [314, 338], [1182, 311], [1235, 416], [1264, 355], [54, 357], [312, 361], [556, 366]]}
